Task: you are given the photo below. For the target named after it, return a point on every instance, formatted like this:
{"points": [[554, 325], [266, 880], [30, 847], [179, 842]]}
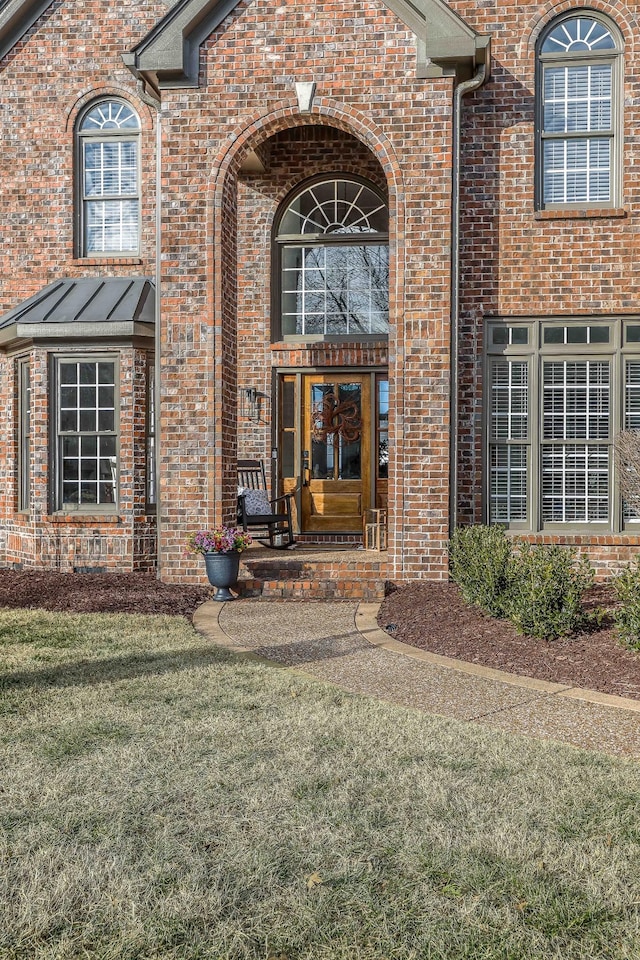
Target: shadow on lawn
{"points": [[87, 672]]}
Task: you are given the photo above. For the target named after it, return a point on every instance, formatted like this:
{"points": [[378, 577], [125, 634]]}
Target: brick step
{"points": [[318, 574], [312, 589]]}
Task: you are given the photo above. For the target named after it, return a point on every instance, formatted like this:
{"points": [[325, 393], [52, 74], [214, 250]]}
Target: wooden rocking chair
{"points": [[268, 520]]}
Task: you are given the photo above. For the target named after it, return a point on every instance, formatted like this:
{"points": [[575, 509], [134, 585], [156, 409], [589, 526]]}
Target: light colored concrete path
{"points": [[340, 642]]}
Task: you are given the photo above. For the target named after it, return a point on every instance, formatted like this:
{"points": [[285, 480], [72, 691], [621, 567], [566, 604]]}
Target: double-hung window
{"points": [[87, 435], [579, 65], [108, 136], [557, 393]]}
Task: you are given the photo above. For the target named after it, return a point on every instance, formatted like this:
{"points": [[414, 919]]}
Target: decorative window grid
{"points": [[24, 452], [87, 437], [334, 261], [337, 290], [109, 176], [553, 414], [591, 333], [577, 113]]}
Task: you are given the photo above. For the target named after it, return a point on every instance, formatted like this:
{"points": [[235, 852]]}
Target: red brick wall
{"points": [[72, 55], [364, 63], [516, 262], [371, 116]]}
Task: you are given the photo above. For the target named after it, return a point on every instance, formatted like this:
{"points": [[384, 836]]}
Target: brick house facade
{"points": [[160, 316]]}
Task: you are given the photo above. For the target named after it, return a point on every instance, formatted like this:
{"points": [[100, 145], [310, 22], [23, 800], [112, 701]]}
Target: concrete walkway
{"points": [[340, 642]]}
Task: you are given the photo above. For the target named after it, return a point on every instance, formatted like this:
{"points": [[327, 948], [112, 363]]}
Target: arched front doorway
{"points": [[313, 325]]}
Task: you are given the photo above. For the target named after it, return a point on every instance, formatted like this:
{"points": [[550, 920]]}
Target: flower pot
{"points": [[222, 571]]}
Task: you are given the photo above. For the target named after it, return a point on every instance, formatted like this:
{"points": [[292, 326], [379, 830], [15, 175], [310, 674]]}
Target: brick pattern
{"points": [[517, 262], [372, 117], [383, 134], [351, 575]]}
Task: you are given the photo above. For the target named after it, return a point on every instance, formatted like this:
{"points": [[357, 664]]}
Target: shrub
{"points": [[479, 558], [546, 588], [627, 616]]}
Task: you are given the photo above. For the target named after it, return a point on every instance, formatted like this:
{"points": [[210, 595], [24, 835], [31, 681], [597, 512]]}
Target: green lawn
{"points": [[160, 799]]}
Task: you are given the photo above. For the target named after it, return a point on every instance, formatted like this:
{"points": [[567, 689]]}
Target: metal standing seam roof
{"points": [[88, 300]]}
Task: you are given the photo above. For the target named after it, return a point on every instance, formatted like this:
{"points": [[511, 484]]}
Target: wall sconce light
{"points": [[250, 403]]}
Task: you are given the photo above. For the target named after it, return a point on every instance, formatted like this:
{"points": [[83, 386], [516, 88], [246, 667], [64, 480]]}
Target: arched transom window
{"points": [[109, 191], [334, 261], [579, 60]]}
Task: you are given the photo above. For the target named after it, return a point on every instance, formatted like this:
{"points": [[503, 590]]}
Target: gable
{"points": [[169, 54]]}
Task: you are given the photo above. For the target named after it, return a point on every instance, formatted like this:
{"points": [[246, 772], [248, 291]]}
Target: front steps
{"points": [[313, 572]]}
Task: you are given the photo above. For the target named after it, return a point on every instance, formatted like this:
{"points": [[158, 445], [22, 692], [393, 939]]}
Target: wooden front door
{"points": [[336, 452]]}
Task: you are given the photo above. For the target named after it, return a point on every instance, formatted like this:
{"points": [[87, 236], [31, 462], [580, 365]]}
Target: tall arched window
{"points": [[108, 134], [579, 62], [333, 247]]}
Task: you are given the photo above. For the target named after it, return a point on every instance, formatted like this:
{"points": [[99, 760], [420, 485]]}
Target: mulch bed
{"points": [[427, 615], [432, 616], [98, 593]]}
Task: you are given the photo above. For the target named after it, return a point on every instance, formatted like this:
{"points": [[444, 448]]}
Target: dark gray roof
{"points": [[88, 300], [83, 308]]}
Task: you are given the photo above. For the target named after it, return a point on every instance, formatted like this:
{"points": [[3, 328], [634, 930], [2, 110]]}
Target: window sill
{"points": [[77, 516], [586, 213], [99, 261], [311, 343], [579, 538]]}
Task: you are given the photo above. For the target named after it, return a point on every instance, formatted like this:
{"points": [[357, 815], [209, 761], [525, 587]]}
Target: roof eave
{"points": [[169, 56], [22, 333], [16, 17]]}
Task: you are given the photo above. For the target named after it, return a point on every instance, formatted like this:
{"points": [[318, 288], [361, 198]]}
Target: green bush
{"points": [[479, 559], [627, 616], [546, 589]]}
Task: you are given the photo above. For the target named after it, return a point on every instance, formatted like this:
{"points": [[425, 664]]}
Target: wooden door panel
{"points": [[336, 504], [337, 435]]}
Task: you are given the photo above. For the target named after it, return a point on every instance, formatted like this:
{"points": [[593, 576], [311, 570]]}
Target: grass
{"points": [[160, 799]]}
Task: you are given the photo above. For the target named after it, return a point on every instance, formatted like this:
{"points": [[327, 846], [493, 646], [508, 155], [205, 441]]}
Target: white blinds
{"points": [[508, 459], [577, 101], [576, 408]]}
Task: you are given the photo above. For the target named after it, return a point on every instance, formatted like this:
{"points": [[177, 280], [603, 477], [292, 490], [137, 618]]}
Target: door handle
{"points": [[306, 472]]}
